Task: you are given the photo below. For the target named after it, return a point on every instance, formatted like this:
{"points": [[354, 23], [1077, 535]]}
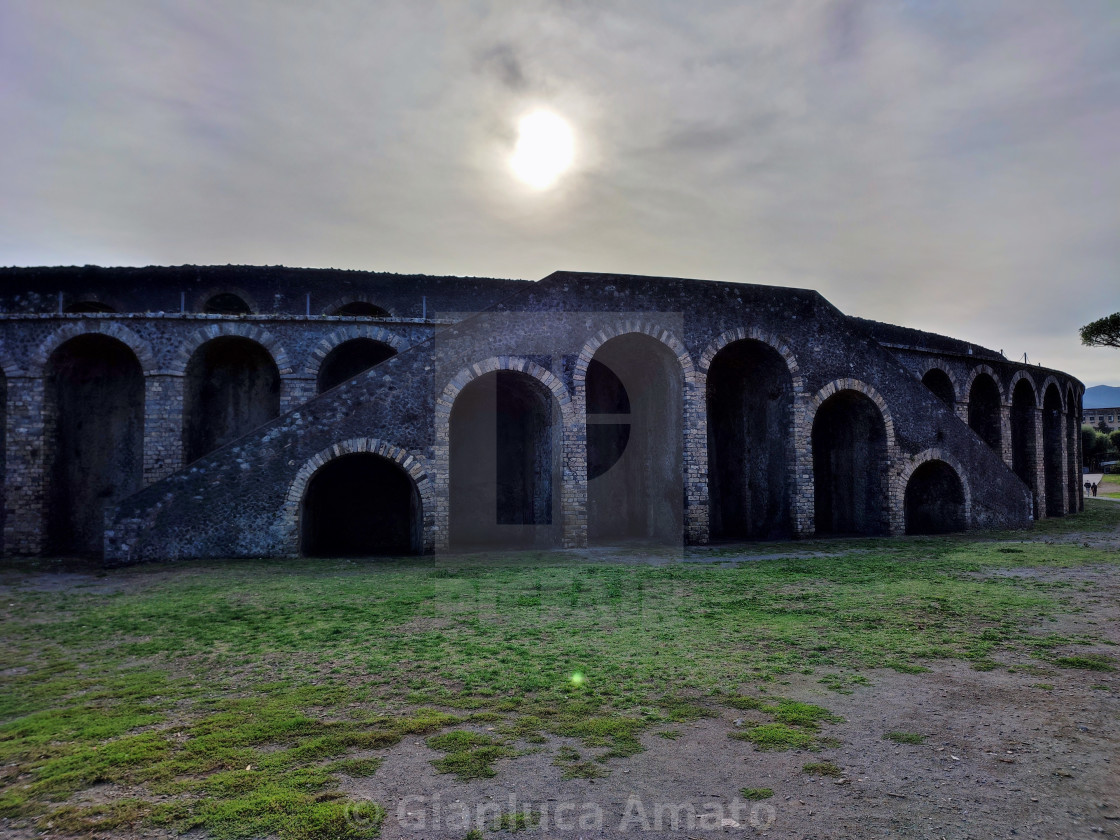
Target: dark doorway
{"points": [[232, 386], [935, 500], [850, 466], [361, 505], [635, 488], [95, 415], [1023, 437], [1073, 437], [226, 303], [941, 385], [983, 410], [750, 398], [1052, 450], [361, 309], [89, 307], [349, 359], [504, 460]]}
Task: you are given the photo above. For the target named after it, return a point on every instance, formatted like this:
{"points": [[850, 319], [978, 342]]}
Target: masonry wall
{"points": [[245, 499]]}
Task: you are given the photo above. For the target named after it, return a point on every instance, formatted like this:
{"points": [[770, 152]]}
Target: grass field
{"points": [[233, 697]]}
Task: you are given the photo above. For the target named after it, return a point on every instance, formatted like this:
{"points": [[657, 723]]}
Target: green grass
{"points": [[171, 680], [756, 794], [1087, 662], [905, 737], [822, 768]]}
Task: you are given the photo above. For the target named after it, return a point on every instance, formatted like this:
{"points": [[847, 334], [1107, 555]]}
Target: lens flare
{"points": [[544, 150], [577, 678]]}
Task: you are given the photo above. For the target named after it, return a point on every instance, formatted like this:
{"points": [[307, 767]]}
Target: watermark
{"points": [[433, 813]]}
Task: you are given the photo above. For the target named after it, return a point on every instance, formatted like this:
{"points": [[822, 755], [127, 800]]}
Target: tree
{"points": [[1114, 439], [1102, 333]]}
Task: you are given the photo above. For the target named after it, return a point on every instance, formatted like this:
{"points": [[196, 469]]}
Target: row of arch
{"points": [[635, 394], [232, 303], [94, 415], [1014, 427]]}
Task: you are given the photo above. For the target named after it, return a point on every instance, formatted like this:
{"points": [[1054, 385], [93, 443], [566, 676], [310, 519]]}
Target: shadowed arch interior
{"points": [[1023, 459], [89, 306], [95, 415], [504, 463], [983, 410], [941, 385], [750, 398], [361, 308], [232, 385], [349, 359], [934, 501], [361, 505], [1052, 432], [636, 490], [850, 466], [226, 303], [1073, 437]]}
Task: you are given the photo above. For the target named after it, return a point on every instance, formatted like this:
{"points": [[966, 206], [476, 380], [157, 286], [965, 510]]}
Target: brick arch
{"points": [[975, 372], [948, 371], [232, 328], [205, 295], [1022, 374], [94, 297], [412, 463], [460, 380], [781, 345], [360, 297], [654, 331], [695, 420], [911, 464], [139, 346], [848, 384], [349, 333], [571, 504], [1046, 383], [8, 365]]}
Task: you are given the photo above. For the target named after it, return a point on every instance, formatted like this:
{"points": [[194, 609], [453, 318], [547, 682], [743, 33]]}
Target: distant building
{"points": [[1109, 416]]}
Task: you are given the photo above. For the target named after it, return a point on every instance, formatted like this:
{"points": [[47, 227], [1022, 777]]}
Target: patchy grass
{"points": [[1086, 662], [756, 794], [905, 737], [822, 768], [233, 698]]}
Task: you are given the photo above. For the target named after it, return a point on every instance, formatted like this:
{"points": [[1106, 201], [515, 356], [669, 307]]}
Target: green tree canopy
{"points": [[1102, 333]]}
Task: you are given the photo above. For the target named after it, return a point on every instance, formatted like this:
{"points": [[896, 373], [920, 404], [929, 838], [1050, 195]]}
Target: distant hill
{"points": [[1101, 396]]}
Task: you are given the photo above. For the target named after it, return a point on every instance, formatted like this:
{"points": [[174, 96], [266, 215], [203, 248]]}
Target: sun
{"points": [[544, 149]]}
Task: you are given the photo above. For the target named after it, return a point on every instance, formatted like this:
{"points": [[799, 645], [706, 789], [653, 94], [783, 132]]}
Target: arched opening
{"points": [[1023, 436], [941, 385], [935, 500], [95, 425], [91, 307], [232, 386], [1073, 436], [349, 359], [361, 309], [635, 487], [750, 399], [504, 463], [361, 505], [1052, 449], [983, 410], [850, 466], [3, 455], [226, 303]]}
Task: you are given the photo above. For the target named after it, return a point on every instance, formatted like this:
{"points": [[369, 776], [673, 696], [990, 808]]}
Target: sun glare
{"points": [[544, 149]]}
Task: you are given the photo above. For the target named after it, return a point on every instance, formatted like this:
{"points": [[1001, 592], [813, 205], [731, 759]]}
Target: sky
{"points": [[950, 165]]}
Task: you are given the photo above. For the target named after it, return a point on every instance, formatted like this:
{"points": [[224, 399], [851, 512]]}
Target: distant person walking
{"points": [[1094, 489]]}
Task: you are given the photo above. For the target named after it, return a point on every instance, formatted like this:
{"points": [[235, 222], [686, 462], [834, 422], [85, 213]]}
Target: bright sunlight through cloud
{"points": [[544, 149]]}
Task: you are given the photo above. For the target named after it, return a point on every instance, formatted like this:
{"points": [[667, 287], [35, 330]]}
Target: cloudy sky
{"points": [[952, 165]]}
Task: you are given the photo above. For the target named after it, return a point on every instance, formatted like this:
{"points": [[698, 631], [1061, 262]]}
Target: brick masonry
{"points": [[244, 499]]}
